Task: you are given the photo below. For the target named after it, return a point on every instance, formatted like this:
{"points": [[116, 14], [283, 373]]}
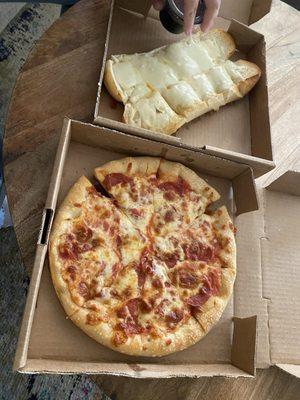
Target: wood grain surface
{"points": [[60, 78]]}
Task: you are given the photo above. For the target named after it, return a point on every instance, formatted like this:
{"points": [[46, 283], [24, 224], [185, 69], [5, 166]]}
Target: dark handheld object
{"points": [[172, 15]]}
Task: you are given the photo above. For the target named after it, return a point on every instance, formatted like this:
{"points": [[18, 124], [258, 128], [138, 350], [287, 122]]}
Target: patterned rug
{"points": [[15, 42]]}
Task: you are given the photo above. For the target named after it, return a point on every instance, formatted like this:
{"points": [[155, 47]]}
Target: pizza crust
{"points": [[111, 84], [144, 166], [137, 345], [66, 211]]}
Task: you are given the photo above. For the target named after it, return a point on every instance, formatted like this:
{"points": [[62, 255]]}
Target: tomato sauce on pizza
{"points": [[146, 271]]}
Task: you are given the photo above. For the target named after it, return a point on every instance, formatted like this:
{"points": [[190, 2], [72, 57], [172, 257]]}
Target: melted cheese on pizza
{"points": [[145, 279]]}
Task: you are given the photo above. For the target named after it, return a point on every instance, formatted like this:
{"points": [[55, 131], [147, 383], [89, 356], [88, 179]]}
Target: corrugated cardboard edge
{"points": [[259, 167], [104, 60], [24, 335], [135, 370], [132, 130]]}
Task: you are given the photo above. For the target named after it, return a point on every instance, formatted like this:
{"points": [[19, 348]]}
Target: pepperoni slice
{"points": [[197, 251], [157, 283], [83, 290], [145, 307], [180, 186], [170, 259], [214, 278], [211, 286], [122, 312], [144, 268], [169, 196], [83, 233], [105, 226], [132, 306], [135, 212], [187, 279], [66, 251], [129, 328], [118, 241], [114, 179]]}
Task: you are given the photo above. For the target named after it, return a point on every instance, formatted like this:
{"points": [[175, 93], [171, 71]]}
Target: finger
{"points": [[211, 12], [158, 4], [190, 9]]}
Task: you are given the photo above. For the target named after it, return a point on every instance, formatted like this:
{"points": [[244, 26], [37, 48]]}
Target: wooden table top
{"points": [[60, 78]]}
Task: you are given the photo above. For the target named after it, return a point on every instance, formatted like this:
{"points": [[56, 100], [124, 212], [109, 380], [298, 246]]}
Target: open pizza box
{"points": [[51, 343], [240, 130]]}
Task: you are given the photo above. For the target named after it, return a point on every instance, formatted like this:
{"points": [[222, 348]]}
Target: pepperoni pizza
{"points": [[145, 269]]}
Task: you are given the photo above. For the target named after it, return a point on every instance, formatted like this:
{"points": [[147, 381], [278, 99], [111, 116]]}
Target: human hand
{"points": [[190, 9]]}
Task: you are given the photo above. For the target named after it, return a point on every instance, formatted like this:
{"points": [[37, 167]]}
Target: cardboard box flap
{"points": [[289, 182], [290, 369], [281, 267], [259, 106], [245, 195], [259, 167], [138, 6], [259, 9], [243, 349], [246, 11], [244, 37]]}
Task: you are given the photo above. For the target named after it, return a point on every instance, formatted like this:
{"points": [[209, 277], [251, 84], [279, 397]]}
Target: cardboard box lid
{"points": [[246, 11], [280, 246]]}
